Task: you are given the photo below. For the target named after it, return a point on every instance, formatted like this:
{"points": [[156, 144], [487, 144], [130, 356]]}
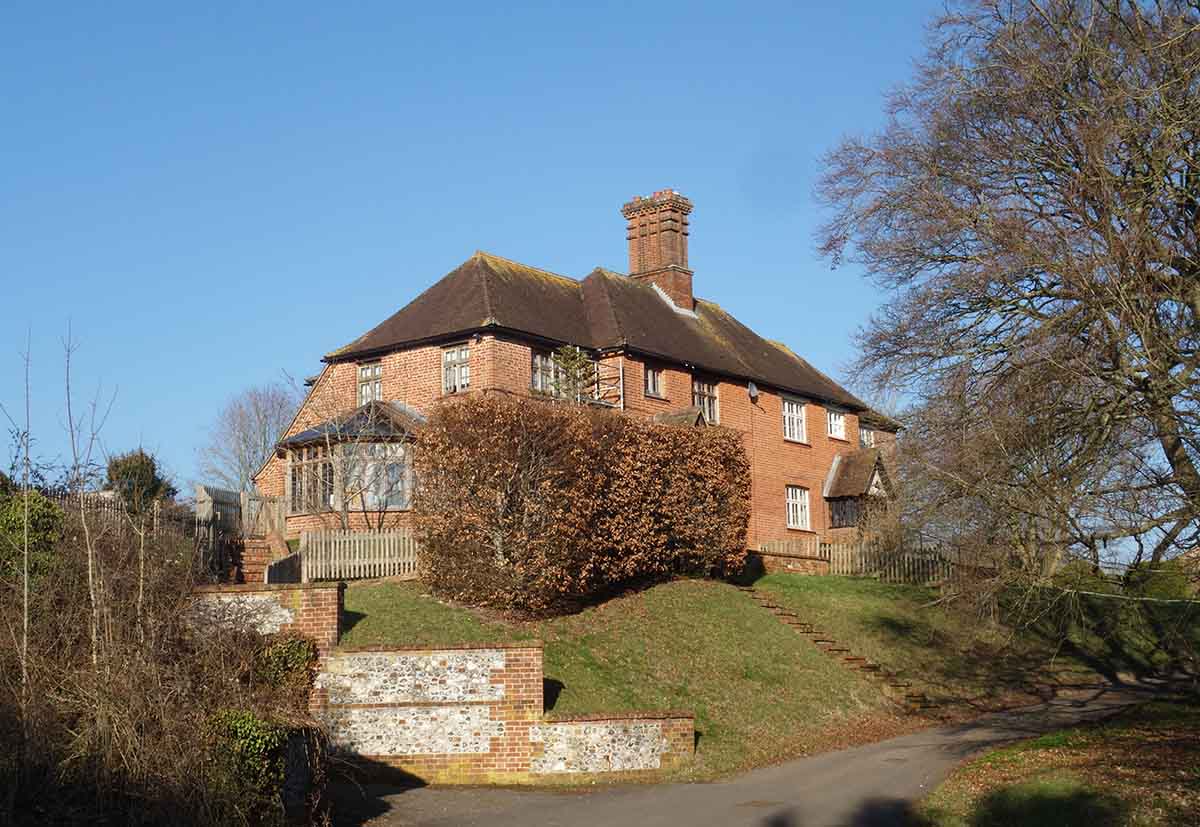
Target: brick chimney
{"points": [[657, 230]]}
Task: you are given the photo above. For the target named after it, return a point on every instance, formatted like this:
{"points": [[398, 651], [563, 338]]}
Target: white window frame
{"points": [[705, 392], [866, 437], [456, 368], [379, 476], [795, 420], [654, 389], [799, 513], [370, 382], [835, 424]]}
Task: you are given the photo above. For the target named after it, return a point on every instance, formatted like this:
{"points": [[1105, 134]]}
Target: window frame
{"points": [[549, 371], [699, 397], [866, 437], [373, 381], [367, 464], [830, 413], [310, 480], [456, 361], [659, 375], [802, 439], [800, 505]]}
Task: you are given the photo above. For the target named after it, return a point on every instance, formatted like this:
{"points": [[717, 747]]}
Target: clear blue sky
{"points": [[211, 194]]}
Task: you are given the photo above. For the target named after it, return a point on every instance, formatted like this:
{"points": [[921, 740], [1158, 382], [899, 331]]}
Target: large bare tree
{"points": [[245, 432], [1033, 207]]}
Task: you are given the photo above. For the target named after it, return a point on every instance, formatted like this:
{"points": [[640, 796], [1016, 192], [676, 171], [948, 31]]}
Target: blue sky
{"points": [[213, 194]]}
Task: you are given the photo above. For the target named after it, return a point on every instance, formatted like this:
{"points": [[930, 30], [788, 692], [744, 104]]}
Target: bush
{"points": [[538, 506], [45, 530], [1168, 580], [128, 726]]}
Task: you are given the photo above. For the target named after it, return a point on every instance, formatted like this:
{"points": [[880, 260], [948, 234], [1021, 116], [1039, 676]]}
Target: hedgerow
{"points": [[538, 507]]}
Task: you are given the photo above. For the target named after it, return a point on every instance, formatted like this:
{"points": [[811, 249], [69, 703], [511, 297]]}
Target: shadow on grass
{"points": [[1034, 807], [350, 619], [551, 689]]}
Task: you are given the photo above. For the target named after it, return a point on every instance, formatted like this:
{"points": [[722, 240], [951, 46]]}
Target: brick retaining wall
{"points": [[794, 563], [310, 609], [475, 715]]}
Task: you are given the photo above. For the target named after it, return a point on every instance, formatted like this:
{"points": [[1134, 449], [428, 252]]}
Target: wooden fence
{"points": [[864, 559], [350, 555]]}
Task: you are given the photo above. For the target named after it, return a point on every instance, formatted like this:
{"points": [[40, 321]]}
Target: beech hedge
{"points": [[539, 506]]}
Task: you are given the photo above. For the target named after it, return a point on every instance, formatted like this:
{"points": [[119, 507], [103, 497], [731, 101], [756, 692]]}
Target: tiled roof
{"points": [[851, 474], [374, 420], [689, 417], [605, 310]]}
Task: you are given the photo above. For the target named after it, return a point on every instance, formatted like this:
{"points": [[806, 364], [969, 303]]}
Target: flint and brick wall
{"points": [[313, 610], [475, 715]]}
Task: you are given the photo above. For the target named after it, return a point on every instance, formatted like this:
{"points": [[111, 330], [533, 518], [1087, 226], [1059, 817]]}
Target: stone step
{"points": [[836, 650], [870, 667], [854, 659]]}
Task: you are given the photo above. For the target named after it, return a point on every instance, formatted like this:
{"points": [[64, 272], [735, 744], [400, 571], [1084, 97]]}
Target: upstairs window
{"points": [[837, 424], [797, 507], [544, 374], [456, 369], [795, 429], [704, 397], [866, 437], [370, 382], [654, 382]]}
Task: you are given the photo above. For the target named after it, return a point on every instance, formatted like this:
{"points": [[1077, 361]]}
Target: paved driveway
{"points": [[868, 786]]}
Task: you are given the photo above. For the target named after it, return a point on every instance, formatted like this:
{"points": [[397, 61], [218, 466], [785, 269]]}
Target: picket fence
{"points": [[353, 555], [861, 559]]}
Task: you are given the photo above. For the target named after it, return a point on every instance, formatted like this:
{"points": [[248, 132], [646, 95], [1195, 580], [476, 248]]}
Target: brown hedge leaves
{"points": [[538, 506]]}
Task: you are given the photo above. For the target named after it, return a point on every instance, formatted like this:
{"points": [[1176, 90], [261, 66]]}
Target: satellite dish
{"points": [[752, 389]]}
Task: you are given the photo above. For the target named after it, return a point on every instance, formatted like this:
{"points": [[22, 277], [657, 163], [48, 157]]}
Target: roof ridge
{"points": [[487, 293], [608, 302], [486, 255]]}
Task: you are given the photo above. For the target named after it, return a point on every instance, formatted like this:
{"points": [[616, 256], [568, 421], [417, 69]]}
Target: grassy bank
{"points": [[760, 692], [943, 653], [1141, 768]]}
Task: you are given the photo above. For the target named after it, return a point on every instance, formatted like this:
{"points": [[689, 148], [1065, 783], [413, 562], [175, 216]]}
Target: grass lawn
{"points": [[760, 692], [939, 652], [1140, 768]]}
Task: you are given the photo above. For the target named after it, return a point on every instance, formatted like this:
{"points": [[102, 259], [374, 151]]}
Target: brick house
{"points": [[491, 325]]}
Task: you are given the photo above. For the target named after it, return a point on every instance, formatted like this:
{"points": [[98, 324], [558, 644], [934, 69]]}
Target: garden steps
{"points": [[894, 683]]}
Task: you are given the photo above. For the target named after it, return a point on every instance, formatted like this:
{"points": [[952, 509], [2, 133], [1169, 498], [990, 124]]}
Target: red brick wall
{"points": [[414, 377], [316, 607]]}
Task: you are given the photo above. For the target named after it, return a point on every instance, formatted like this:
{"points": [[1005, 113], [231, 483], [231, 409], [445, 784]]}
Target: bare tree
{"points": [[1033, 206], [245, 432]]}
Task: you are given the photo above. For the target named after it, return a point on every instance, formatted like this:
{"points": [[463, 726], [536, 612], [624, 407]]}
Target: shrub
{"points": [[1168, 580], [45, 530], [253, 754], [537, 506]]}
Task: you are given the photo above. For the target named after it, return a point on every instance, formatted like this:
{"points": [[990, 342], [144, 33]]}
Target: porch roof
{"points": [[382, 421]]}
